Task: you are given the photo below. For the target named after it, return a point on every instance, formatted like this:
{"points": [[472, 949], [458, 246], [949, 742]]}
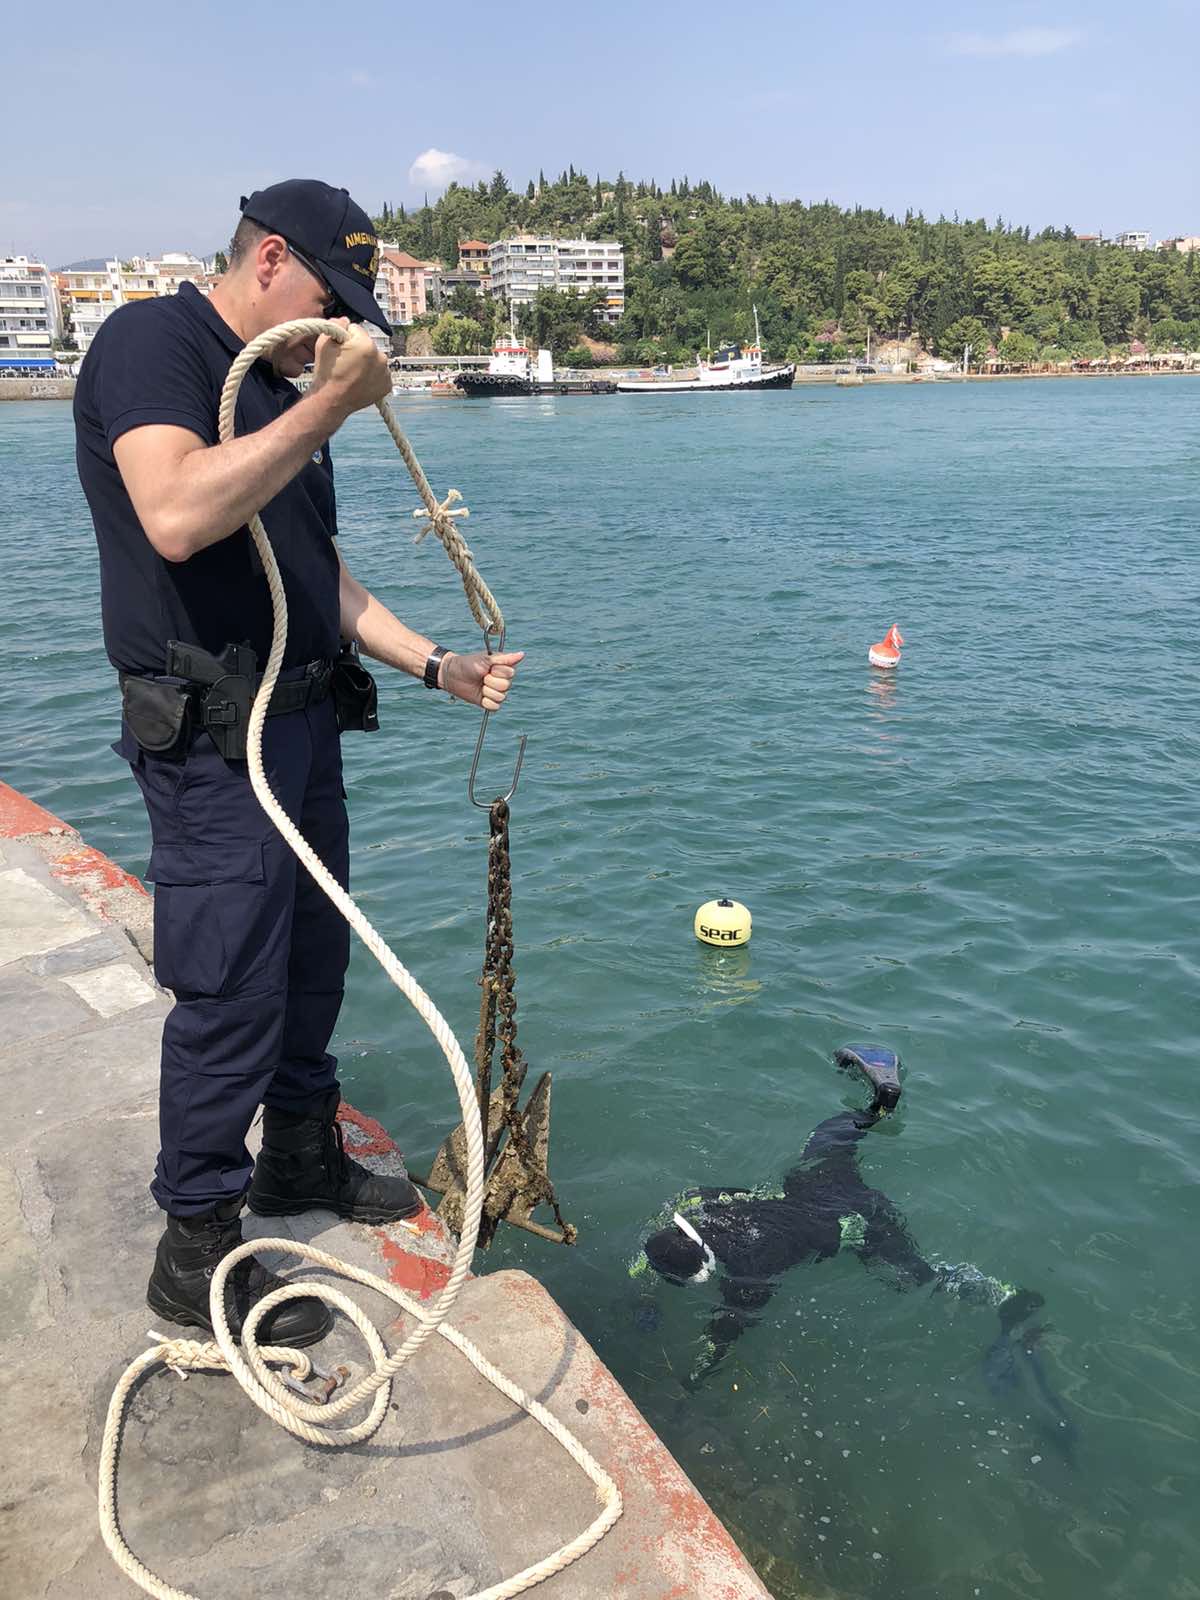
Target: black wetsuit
{"points": [[824, 1205]]}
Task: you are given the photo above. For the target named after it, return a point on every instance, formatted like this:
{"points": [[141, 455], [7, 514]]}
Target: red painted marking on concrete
{"points": [[426, 1221], [407, 1271], [19, 815], [96, 868], [416, 1272], [535, 1302], [688, 1518], [671, 1513], [378, 1141]]}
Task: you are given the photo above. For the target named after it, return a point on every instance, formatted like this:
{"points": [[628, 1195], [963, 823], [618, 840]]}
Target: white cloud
{"points": [[1018, 42], [435, 169]]}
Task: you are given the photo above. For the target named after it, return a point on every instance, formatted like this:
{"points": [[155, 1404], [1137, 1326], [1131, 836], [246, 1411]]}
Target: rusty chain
{"points": [[498, 1021]]}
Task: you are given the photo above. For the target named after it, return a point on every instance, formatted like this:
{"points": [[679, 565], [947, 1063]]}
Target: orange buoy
{"points": [[887, 652]]}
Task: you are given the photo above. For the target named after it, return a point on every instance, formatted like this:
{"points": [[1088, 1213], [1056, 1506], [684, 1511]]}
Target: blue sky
{"points": [[141, 132]]}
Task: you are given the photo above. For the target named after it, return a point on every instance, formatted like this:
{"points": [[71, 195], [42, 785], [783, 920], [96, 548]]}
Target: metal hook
{"points": [[486, 805]]}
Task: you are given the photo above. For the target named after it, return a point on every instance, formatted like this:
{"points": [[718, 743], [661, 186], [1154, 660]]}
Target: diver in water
{"points": [[825, 1207]]}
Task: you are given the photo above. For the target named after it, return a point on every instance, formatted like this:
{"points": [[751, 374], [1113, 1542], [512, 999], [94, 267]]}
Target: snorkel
{"points": [[677, 1252], [710, 1260]]}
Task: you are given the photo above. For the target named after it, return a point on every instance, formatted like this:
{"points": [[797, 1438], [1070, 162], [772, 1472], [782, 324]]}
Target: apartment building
{"points": [[400, 286], [473, 257], [29, 312], [522, 265], [439, 286], [88, 296], [91, 294], [1134, 241]]}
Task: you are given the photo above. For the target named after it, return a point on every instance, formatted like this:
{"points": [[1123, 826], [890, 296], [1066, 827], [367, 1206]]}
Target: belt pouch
{"points": [[159, 715], [355, 696]]}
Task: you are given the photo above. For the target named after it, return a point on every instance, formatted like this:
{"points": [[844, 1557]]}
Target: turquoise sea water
{"points": [[989, 860]]}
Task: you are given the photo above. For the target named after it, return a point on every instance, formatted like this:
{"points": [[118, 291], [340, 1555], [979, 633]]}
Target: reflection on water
{"points": [[882, 688], [723, 976], [883, 722]]}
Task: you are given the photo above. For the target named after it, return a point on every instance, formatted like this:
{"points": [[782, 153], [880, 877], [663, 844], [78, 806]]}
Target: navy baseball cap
{"points": [[326, 225]]}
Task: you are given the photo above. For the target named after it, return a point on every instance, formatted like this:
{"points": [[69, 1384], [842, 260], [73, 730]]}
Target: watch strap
{"points": [[432, 665]]}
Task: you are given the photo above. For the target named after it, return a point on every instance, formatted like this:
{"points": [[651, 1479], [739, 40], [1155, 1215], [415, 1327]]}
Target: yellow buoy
{"points": [[723, 922]]}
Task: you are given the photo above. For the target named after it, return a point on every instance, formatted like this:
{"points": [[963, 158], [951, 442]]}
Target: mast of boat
{"points": [[757, 339]]}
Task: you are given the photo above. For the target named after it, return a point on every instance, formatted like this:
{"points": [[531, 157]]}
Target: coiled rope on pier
{"points": [[249, 1365]]}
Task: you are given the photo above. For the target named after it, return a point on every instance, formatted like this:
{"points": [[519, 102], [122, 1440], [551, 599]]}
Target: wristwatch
{"points": [[432, 664]]}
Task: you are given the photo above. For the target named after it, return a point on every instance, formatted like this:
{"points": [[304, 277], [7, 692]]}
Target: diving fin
{"points": [[876, 1065]]}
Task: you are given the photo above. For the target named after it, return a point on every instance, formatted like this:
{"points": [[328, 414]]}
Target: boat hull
{"points": [[493, 384], [776, 378]]}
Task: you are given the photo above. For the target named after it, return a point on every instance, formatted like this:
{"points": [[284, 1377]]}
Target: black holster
{"points": [[216, 697], [226, 685], [355, 696]]}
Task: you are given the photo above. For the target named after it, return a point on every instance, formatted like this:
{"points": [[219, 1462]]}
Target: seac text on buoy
{"points": [[724, 923]]}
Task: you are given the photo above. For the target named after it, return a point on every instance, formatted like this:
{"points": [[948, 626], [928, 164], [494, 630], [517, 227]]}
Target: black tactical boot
{"points": [[303, 1166], [187, 1257]]}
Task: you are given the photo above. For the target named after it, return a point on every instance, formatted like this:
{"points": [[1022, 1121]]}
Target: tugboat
{"points": [[733, 367], [513, 371]]}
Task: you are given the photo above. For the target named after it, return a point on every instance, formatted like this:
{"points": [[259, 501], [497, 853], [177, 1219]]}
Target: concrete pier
{"points": [[459, 1488]]}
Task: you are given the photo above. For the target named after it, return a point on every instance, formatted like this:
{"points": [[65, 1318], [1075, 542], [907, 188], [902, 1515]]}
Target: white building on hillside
{"points": [[92, 294], [522, 265], [29, 313], [1134, 241]]}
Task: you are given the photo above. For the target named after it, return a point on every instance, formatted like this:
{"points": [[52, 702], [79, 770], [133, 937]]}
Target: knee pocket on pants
{"points": [[211, 915]]}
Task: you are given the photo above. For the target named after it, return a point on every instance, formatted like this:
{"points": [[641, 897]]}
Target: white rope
{"points": [[249, 1365]]}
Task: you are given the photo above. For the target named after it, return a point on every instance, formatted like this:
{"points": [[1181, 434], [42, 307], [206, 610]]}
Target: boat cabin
{"points": [[509, 357]]}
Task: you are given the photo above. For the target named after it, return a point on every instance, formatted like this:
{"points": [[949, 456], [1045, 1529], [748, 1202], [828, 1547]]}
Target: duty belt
{"points": [[218, 691], [300, 687], [295, 689]]}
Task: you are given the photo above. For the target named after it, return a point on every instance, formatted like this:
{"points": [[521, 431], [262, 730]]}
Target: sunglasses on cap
{"points": [[334, 306]]}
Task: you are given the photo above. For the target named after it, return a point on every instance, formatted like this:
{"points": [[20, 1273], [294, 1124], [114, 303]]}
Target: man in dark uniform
{"points": [[254, 952]]}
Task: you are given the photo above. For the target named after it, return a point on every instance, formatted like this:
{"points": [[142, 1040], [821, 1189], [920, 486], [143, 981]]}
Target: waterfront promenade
{"points": [[458, 1490]]}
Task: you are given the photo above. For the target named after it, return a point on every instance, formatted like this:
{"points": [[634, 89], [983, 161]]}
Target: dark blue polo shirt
{"points": [[164, 361]]}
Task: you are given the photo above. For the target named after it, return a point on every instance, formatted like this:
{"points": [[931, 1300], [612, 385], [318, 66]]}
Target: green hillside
{"points": [[696, 260]]}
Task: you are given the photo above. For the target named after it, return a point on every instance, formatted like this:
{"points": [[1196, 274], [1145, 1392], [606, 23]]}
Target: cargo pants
{"points": [[252, 949]]}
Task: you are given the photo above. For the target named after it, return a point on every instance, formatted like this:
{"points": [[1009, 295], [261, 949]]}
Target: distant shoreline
{"points": [[64, 388], [945, 377], [1002, 377]]}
